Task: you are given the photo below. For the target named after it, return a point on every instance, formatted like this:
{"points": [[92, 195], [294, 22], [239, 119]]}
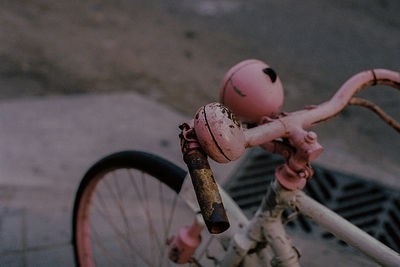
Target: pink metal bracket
{"points": [[299, 149], [183, 245]]}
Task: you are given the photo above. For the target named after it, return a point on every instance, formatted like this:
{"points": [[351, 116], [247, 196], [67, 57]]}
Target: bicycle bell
{"points": [[252, 90], [219, 133]]}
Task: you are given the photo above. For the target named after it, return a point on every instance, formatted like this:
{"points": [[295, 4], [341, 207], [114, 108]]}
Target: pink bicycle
{"points": [[134, 208]]}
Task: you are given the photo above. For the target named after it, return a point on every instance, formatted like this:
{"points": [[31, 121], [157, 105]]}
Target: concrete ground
{"points": [[81, 80], [47, 144]]}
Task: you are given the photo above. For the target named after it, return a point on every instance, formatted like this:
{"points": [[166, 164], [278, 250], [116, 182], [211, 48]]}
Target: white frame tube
{"points": [[346, 231]]}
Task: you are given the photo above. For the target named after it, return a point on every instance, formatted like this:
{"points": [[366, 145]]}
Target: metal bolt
{"points": [[303, 174], [310, 138]]}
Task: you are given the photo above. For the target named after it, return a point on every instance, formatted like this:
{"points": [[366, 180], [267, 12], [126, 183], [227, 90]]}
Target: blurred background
{"points": [[173, 54], [176, 53]]}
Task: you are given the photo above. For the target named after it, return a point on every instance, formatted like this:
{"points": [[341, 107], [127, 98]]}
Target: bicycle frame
{"points": [[268, 218], [246, 234], [266, 226]]}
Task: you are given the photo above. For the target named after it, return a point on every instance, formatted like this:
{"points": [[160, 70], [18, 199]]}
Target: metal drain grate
{"points": [[371, 206]]}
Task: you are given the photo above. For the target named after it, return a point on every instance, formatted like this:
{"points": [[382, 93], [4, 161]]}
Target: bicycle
{"points": [[253, 91]]}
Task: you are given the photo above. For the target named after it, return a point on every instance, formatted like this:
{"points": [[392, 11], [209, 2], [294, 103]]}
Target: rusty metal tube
{"points": [[207, 192]]}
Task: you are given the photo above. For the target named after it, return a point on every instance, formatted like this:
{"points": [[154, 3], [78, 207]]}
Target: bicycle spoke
{"points": [[118, 233], [146, 210], [128, 226], [114, 227], [162, 205], [121, 207], [172, 213], [137, 191], [126, 250], [103, 248], [153, 232], [116, 197], [163, 219]]}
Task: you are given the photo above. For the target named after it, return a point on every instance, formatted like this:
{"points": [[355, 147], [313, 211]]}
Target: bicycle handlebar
{"points": [[207, 192], [284, 126]]}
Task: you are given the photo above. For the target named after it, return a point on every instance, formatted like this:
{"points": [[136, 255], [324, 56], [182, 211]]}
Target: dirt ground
{"points": [[176, 52]]}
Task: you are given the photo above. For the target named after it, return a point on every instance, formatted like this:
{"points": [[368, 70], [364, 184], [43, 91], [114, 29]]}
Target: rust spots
{"points": [[375, 108], [220, 221], [389, 83], [271, 200], [325, 119], [230, 114], [174, 254], [236, 250], [207, 192], [234, 119], [211, 134]]}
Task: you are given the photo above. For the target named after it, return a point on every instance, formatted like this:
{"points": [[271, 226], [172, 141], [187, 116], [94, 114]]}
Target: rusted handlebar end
{"points": [[207, 192], [218, 222]]}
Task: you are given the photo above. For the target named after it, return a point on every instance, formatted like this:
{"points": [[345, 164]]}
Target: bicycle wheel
{"points": [[126, 207]]}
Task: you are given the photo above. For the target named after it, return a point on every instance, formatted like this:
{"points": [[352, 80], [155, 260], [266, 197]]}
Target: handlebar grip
{"points": [[207, 192]]}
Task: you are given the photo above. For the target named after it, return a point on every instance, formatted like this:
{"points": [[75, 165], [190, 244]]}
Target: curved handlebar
{"points": [[310, 117]]}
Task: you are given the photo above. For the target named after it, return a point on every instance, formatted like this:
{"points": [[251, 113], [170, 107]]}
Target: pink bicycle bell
{"points": [[219, 133], [252, 90]]}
